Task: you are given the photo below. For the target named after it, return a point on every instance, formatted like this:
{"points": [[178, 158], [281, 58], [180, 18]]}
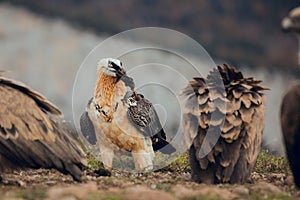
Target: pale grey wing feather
{"points": [[87, 128], [155, 126]]}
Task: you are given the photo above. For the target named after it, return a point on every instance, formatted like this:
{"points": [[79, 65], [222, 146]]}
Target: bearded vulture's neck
{"points": [[104, 89]]}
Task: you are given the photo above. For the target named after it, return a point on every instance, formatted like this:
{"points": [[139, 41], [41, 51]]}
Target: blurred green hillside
{"points": [[240, 32]]}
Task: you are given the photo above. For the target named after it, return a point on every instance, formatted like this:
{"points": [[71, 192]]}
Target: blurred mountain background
{"points": [[43, 43], [240, 32]]}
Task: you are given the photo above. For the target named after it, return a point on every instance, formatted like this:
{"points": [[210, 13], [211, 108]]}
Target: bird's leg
{"points": [[143, 157], [107, 158], [107, 154], [142, 161]]}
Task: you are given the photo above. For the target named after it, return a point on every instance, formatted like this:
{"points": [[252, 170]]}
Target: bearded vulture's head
{"points": [[111, 67]]}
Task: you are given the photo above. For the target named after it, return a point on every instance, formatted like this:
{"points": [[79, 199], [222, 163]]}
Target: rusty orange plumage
{"points": [[107, 116]]}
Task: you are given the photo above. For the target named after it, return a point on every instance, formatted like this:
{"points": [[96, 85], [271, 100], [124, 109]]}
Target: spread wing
{"points": [[241, 121], [87, 127], [144, 117], [29, 135]]}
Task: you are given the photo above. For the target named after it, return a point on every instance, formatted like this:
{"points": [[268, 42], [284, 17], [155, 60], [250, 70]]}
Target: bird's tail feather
{"points": [[63, 154], [69, 158], [162, 145]]}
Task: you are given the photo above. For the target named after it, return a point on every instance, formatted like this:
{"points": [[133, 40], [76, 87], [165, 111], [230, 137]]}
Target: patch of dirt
{"points": [[50, 184]]}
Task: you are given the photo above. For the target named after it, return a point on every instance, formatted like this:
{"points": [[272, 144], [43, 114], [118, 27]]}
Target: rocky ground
{"points": [[49, 184], [24, 58]]}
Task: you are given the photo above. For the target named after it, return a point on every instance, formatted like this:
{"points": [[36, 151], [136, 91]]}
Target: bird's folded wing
{"points": [[144, 117], [30, 137], [87, 128], [41, 101]]}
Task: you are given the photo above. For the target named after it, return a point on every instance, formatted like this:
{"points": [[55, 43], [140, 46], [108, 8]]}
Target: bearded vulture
{"points": [[239, 110], [120, 119], [290, 107], [30, 137]]}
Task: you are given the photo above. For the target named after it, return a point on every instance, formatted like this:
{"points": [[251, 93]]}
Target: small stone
{"points": [[153, 186], [241, 191], [69, 198], [182, 192], [21, 183], [141, 192], [289, 180], [265, 188], [255, 176], [212, 191], [278, 183], [185, 176], [51, 183], [77, 191]]}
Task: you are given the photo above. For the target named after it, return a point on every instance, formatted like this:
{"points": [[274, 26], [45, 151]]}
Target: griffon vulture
{"points": [[30, 137], [240, 115], [290, 107]]}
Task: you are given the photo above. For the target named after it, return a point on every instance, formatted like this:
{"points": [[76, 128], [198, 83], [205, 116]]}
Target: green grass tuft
{"points": [[164, 186], [94, 163], [180, 164], [124, 162], [269, 163]]}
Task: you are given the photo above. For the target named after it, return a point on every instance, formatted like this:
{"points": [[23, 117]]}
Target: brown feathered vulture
{"points": [[290, 107], [291, 23], [234, 114], [30, 136], [290, 124]]}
